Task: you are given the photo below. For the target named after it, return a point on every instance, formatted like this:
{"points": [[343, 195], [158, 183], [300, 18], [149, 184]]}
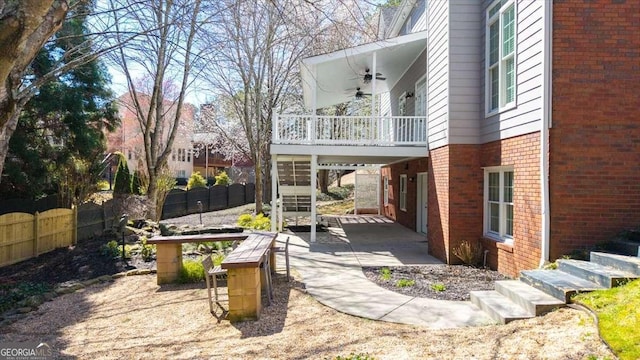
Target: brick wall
{"points": [[465, 196], [595, 138], [455, 199], [438, 209], [523, 153], [392, 210]]}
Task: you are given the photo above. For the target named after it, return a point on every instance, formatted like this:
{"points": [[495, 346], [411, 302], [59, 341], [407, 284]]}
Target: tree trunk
{"points": [[259, 187], [323, 181], [24, 28], [339, 177], [152, 198]]}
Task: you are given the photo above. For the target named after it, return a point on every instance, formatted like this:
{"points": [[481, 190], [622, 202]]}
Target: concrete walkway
{"points": [[331, 269]]}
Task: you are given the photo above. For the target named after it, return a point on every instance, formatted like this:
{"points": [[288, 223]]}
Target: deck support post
{"points": [[274, 195], [314, 180]]}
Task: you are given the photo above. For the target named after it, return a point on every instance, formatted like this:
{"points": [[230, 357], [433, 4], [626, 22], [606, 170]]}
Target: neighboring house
{"points": [[512, 124], [128, 139]]}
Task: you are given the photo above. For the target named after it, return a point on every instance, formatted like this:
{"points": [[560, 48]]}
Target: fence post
{"points": [[104, 217], [36, 233], [74, 235]]}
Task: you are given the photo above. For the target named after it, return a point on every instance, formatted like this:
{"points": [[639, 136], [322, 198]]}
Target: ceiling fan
{"points": [[359, 94], [368, 76]]}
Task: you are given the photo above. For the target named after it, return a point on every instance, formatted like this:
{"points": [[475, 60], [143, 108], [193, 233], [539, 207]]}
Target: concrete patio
{"points": [[331, 269]]}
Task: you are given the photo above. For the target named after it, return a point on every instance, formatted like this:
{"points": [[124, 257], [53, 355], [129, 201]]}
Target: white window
{"points": [[385, 190], [188, 155], [403, 193], [173, 155], [408, 26], [498, 190], [181, 174], [500, 55]]}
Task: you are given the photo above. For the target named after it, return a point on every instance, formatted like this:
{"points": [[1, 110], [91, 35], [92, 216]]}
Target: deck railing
{"points": [[350, 130]]}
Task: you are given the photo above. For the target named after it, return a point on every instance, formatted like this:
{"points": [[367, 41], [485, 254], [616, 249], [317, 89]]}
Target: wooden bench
{"points": [[169, 251], [243, 275]]}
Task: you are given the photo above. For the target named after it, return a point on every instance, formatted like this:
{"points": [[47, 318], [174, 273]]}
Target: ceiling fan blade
{"points": [[381, 78]]}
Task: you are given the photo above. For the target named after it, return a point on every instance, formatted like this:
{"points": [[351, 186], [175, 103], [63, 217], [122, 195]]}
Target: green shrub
{"points": [[258, 222], [196, 180], [245, 220], [136, 184], [223, 179], [385, 274], [103, 185], [405, 283], [12, 294], [438, 287], [191, 272], [217, 258], [147, 251], [122, 183], [110, 249], [261, 222]]}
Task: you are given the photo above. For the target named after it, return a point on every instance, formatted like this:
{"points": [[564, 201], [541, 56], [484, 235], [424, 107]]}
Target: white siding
{"points": [[525, 117], [438, 72], [465, 53], [407, 83]]}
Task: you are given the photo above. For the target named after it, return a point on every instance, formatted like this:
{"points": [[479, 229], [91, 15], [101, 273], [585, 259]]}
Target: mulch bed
{"points": [[442, 282]]}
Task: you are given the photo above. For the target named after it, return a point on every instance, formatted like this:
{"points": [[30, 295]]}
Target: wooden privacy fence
{"points": [[23, 236]]}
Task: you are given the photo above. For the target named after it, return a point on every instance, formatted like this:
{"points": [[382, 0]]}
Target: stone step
{"points": [[629, 264], [499, 307], [534, 301], [558, 284], [626, 247], [600, 274]]}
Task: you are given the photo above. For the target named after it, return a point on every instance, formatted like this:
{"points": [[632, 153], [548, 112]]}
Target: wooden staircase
{"points": [[294, 186], [540, 291]]}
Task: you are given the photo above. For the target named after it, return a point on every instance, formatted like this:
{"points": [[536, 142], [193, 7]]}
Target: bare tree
{"points": [[254, 65], [157, 64]]}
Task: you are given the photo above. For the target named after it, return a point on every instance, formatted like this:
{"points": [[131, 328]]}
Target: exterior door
{"points": [[421, 203], [421, 108]]}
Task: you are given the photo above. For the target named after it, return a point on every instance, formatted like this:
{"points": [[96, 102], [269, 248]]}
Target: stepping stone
{"points": [[499, 307], [604, 275], [629, 264], [558, 284], [534, 301]]}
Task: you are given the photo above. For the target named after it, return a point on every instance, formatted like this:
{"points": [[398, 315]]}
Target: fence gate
{"points": [[367, 192]]}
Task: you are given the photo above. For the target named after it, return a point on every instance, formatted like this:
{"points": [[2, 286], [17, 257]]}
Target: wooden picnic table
{"points": [[169, 251], [244, 277]]}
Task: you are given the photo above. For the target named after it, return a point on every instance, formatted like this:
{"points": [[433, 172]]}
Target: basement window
{"points": [[498, 195]]}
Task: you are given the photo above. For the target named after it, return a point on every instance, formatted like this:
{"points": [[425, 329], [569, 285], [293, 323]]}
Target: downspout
{"points": [[545, 232]]}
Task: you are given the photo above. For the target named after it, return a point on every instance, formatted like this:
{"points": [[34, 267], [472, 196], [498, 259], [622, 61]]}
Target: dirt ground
{"points": [[133, 318]]}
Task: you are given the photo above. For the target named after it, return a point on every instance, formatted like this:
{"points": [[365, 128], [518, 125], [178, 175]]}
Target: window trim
{"points": [[500, 236], [402, 193], [502, 86]]}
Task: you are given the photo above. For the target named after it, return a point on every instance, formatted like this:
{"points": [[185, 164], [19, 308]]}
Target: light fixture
{"points": [[409, 95]]}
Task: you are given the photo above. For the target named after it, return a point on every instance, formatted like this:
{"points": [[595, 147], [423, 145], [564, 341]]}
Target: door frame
{"points": [[422, 199]]}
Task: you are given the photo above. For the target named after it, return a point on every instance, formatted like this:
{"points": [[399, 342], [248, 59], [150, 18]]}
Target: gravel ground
{"points": [[443, 282], [133, 318]]}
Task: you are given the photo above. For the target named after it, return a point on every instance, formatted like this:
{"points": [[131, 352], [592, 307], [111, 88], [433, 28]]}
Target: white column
{"points": [[355, 190], [374, 72], [274, 192], [314, 180]]}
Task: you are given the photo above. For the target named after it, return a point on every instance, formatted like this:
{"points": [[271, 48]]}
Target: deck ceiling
{"points": [[334, 77]]}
